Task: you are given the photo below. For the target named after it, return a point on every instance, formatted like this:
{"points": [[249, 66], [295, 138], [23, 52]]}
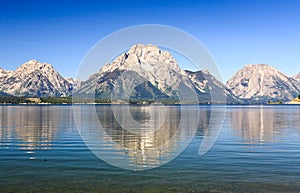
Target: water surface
{"points": [[258, 150]]}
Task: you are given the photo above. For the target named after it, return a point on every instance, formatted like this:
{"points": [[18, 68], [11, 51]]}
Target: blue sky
{"points": [[236, 32]]}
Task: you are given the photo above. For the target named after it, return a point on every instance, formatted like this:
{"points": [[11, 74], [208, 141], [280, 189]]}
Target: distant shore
{"points": [[13, 100], [70, 100]]}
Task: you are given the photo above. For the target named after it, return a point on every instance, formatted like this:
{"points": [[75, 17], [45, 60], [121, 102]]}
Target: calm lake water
{"points": [[41, 150]]}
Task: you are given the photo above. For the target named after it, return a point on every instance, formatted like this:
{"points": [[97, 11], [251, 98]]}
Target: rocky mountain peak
{"points": [[34, 78], [258, 65], [148, 72], [144, 68], [262, 82], [143, 57], [33, 65], [139, 49], [261, 67], [150, 62]]}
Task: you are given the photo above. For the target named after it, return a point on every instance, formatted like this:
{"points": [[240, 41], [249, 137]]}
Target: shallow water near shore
{"points": [[258, 150]]}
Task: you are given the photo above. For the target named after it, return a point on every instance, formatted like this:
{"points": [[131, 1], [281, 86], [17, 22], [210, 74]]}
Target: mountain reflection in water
{"points": [[263, 123], [33, 126], [138, 136]]}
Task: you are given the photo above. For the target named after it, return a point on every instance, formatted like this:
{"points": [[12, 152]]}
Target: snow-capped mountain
{"points": [[146, 72], [34, 79], [262, 83]]}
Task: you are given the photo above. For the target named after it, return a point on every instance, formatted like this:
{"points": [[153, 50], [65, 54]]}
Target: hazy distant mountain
{"points": [[34, 79], [261, 83], [147, 72]]}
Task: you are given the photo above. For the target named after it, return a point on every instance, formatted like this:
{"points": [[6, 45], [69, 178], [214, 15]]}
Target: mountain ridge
{"points": [[147, 72]]}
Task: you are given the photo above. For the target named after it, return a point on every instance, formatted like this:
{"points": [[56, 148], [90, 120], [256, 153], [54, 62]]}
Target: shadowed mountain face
{"points": [[3, 94], [208, 87], [261, 83], [127, 85]]}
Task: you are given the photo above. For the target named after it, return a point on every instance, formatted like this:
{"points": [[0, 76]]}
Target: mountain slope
{"points": [[297, 77], [207, 85], [261, 83], [34, 79]]}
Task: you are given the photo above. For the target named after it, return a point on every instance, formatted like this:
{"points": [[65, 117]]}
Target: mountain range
{"points": [[145, 72]]}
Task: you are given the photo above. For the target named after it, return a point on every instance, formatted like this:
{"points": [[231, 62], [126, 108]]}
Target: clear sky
{"points": [[236, 32]]}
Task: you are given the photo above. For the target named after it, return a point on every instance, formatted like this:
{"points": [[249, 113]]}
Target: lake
{"points": [[41, 149]]}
